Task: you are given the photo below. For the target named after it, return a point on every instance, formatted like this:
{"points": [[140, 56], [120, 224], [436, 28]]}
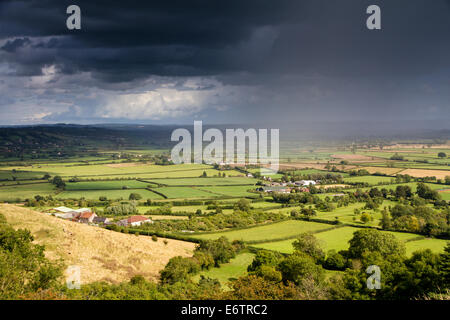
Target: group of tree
{"points": [[302, 274], [122, 209], [24, 269], [241, 217], [209, 253], [418, 219]]}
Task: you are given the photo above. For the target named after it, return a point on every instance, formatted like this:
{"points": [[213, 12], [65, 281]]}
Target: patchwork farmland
{"points": [[199, 202]]}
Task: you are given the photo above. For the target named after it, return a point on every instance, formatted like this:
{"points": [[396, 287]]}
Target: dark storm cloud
{"points": [[13, 45], [134, 38], [121, 41], [291, 59]]}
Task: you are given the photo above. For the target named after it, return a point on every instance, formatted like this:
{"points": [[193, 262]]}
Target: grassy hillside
{"points": [[103, 255]]}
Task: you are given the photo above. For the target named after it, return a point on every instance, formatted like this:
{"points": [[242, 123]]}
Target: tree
{"points": [[264, 258], [423, 273], [122, 209], [58, 182], [386, 221], [371, 240], [442, 155], [365, 217], [335, 261], [426, 192], [252, 287], [308, 212], [374, 192], [447, 179], [403, 192], [23, 266], [178, 269], [396, 156], [134, 196], [308, 244], [221, 250], [242, 205], [445, 267], [299, 266]]}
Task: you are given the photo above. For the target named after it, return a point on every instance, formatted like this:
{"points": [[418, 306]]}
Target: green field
{"points": [[337, 239], [106, 185], [435, 245], [22, 192], [346, 214], [20, 175], [193, 173], [445, 193], [265, 205], [289, 228], [234, 269], [372, 180], [100, 170], [110, 194], [20, 182], [184, 192], [205, 181], [231, 191]]}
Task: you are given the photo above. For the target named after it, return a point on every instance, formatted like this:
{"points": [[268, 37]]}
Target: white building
{"points": [[305, 183]]}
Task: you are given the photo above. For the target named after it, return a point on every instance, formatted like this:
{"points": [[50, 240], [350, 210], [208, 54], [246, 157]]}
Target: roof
{"points": [[63, 209], [86, 215], [133, 219], [68, 215], [81, 210]]}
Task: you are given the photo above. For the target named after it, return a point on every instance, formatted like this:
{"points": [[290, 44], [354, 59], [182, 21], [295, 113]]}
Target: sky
{"points": [[302, 63]]}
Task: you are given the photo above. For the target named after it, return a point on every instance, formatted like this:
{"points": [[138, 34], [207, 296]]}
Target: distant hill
{"points": [[103, 255], [49, 141]]}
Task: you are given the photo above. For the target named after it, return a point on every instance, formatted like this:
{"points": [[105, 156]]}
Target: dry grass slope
{"points": [[103, 255]]}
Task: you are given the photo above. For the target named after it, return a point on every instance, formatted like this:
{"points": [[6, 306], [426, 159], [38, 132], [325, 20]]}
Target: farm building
{"points": [[83, 215], [134, 221], [103, 220], [86, 217], [68, 215], [63, 209], [305, 183], [81, 210]]}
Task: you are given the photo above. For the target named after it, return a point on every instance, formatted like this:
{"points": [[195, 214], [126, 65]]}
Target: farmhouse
{"points": [[86, 217], [134, 221]]}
